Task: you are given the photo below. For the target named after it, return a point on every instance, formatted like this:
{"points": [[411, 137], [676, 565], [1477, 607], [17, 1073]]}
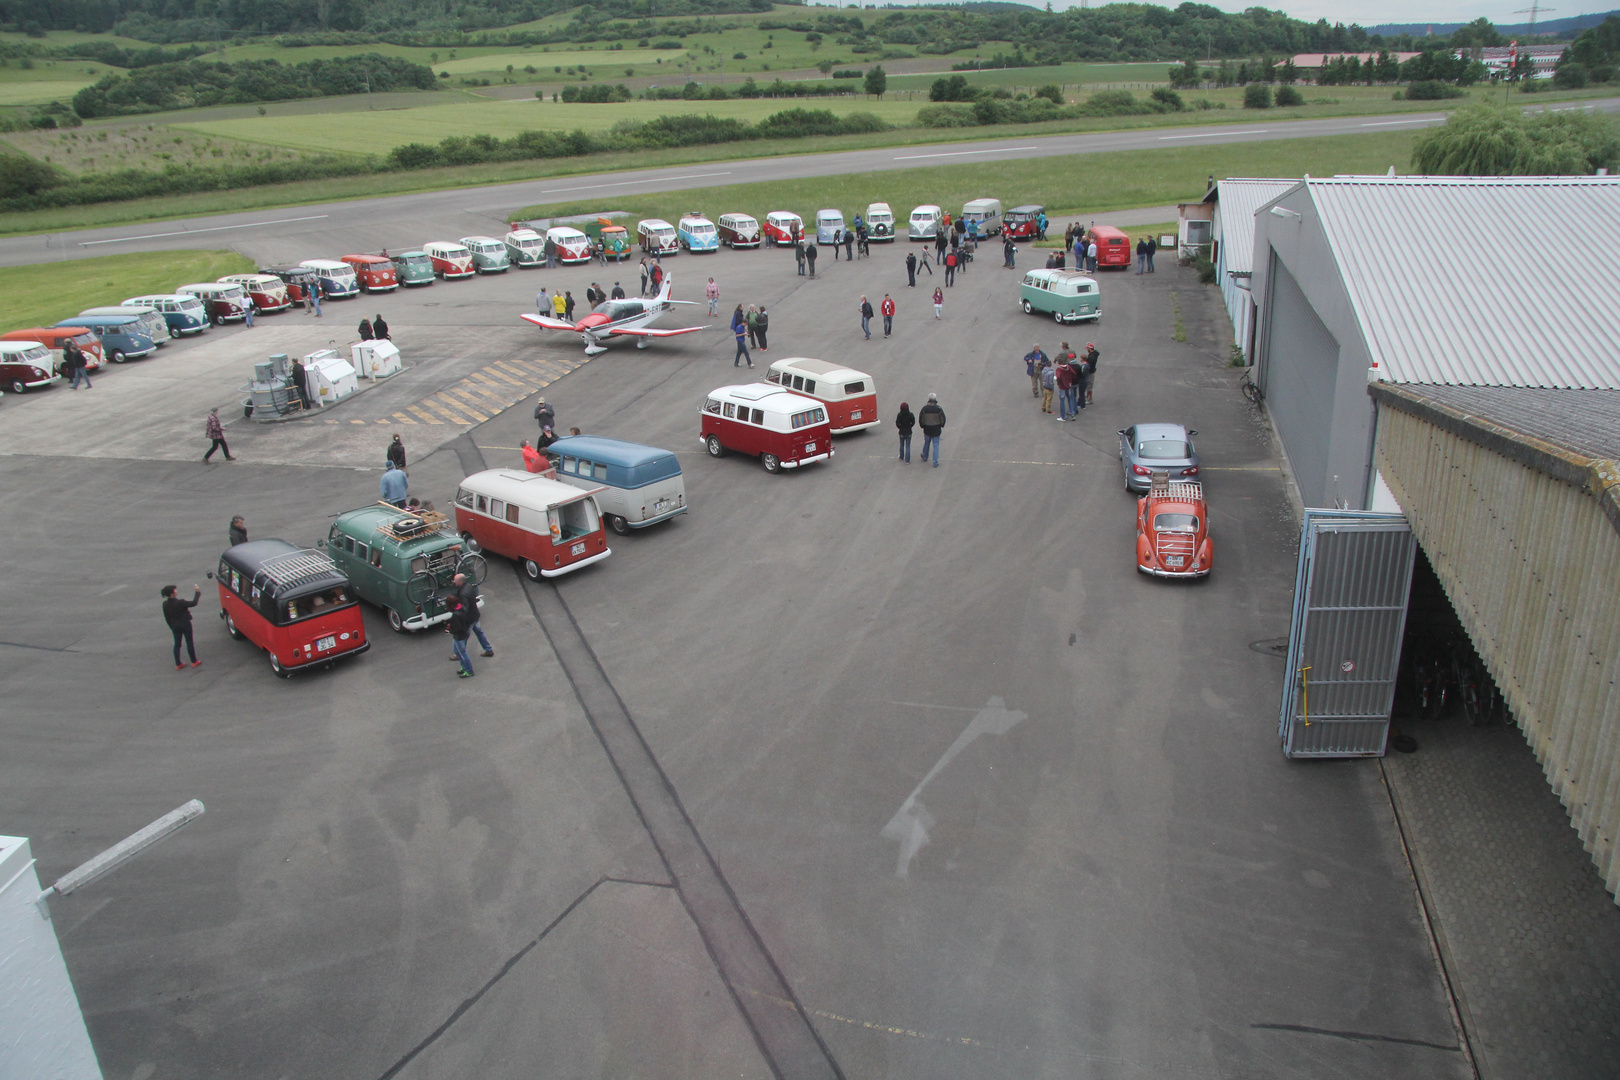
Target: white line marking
{"points": [[1213, 134], [910, 824], [193, 232], [964, 153], [1423, 120], [629, 183]]}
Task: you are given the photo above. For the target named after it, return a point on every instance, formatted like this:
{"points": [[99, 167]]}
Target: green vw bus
{"points": [[1066, 295], [413, 268], [402, 561]]}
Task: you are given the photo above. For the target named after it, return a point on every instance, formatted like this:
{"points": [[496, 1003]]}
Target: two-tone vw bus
{"points": [[414, 268], [697, 233], [225, 302], [879, 222], [294, 603], [26, 365], [1066, 295], [450, 260], [404, 562], [982, 216], [525, 247], [547, 527], [267, 291], [488, 254], [634, 485], [925, 222], [299, 281], [152, 324], [657, 236], [739, 231], [568, 244], [783, 227], [829, 223], [850, 395], [335, 278], [183, 312], [122, 337], [783, 429], [374, 272], [55, 338]]}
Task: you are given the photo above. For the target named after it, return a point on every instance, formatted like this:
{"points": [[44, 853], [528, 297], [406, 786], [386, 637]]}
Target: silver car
{"points": [[1145, 449]]}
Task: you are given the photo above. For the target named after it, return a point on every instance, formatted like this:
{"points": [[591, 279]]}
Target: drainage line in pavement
{"points": [[1436, 944], [787, 1040]]}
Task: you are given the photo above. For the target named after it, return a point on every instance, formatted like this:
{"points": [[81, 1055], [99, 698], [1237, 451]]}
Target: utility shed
{"points": [[1235, 202], [1384, 278], [1514, 494]]}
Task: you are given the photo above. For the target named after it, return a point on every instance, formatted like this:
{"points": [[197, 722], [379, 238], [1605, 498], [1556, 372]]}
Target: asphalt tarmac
{"points": [[372, 224], [869, 770]]}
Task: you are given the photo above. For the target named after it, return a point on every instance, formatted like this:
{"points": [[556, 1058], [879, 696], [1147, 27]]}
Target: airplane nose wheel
{"points": [[641, 343]]}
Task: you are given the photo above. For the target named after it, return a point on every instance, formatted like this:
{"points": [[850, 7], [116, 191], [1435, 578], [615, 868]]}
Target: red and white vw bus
{"points": [[293, 603], [782, 227], [376, 273], [850, 395], [55, 337], [267, 291], [450, 260], [783, 429], [547, 527], [568, 244]]}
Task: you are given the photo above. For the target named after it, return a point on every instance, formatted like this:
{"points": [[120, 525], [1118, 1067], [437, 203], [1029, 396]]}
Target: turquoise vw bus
{"points": [[1066, 295]]}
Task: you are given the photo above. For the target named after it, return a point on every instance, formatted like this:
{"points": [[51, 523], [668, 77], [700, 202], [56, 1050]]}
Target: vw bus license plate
{"points": [[809, 447], [662, 504], [325, 643], [856, 415], [577, 549]]}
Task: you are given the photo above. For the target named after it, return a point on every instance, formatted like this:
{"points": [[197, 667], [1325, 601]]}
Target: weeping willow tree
{"points": [[1489, 139]]}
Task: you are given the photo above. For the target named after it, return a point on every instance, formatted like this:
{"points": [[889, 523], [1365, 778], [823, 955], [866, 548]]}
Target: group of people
{"points": [[750, 328], [374, 329], [534, 459], [1068, 378], [931, 418]]}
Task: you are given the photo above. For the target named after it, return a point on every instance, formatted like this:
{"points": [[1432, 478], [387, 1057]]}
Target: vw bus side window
{"points": [[464, 498], [317, 604], [419, 564], [570, 464], [798, 382], [599, 472], [809, 386], [497, 508], [854, 387], [348, 544], [759, 416], [236, 582], [483, 505], [376, 557], [731, 410], [360, 550], [512, 512], [224, 570]]}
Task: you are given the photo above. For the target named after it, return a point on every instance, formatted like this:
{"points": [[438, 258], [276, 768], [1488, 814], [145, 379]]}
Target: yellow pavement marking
{"points": [[426, 418]]}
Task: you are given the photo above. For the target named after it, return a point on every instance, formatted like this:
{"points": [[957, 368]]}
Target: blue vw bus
{"points": [[643, 484]]}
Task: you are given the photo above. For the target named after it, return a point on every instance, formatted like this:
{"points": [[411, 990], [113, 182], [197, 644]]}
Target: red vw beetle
{"points": [[293, 603], [1172, 530]]}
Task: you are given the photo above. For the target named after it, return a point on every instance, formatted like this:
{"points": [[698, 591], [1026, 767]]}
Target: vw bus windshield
{"points": [[528, 243], [414, 260], [700, 230]]}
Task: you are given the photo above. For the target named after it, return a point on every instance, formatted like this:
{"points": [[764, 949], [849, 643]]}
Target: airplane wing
{"points": [[645, 332], [694, 303], [546, 322]]}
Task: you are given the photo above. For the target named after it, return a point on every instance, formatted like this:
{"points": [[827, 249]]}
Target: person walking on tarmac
{"points": [[396, 452], [911, 270], [887, 308], [237, 533], [177, 613], [460, 628], [904, 421], [365, 330], [932, 421], [467, 593], [739, 327], [762, 324], [810, 257], [866, 317], [215, 431]]}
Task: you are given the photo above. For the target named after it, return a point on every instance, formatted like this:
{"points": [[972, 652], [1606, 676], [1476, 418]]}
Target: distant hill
{"points": [[1563, 27]]}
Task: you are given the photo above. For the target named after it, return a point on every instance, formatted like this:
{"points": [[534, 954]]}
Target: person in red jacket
{"points": [[887, 308]]}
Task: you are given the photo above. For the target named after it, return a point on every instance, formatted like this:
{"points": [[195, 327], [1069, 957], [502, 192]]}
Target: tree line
{"points": [[162, 87]]}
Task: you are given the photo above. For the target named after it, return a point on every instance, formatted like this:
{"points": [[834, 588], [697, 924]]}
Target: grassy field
{"points": [[1068, 187], [46, 293], [136, 145], [1070, 75], [47, 80]]}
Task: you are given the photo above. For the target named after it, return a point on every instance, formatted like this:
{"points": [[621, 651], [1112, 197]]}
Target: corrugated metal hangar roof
{"points": [[1481, 281], [1236, 201]]}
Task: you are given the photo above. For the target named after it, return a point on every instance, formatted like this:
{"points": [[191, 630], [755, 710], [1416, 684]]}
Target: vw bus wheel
{"points": [[275, 665], [618, 525], [1028, 307], [531, 568], [18, 387], [395, 622], [174, 331], [469, 543], [715, 449], [230, 628], [115, 356], [476, 567], [771, 462], [1057, 317]]}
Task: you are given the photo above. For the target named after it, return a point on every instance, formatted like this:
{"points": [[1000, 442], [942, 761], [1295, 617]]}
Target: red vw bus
{"points": [[267, 291], [783, 429], [376, 273], [850, 395], [54, 337], [293, 603], [547, 527], [1113, 247]]}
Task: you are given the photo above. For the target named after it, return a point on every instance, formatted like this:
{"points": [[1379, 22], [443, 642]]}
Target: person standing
{"points": [[1091, 256], [739, 327], [379, 329], [365, 330], [924, 264], [559, 306], [1009, 251], [394, 485], [887, 307], [74, 365], [849, 246], [247, 312], [911, 270], [544, 414], [1048, 386], [237, 533], [1079, 251], [939, 301], [810, 257], [396, 452], [838, 242], [750, 317], [467, 593], [1141, 257], [548, 435], [542, 301], [460, 628], [533, 460], [300, 381], [568, 305], [644, 271], [215, 431], [1089, 370], [177, 613], [1032, 368], [904, 421], [932, 422], [950, 268], [618, 291], [1040, 225], [1065, 381], [712, 292], [655, 277], [1152, 246], [762, 323], [939, 245], [798, 255], [315, 296], [866, 317], [551, 255]]}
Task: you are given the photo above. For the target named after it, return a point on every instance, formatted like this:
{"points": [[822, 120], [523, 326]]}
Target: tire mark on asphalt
{"points": [[781, 1027], [1356, 1036]]}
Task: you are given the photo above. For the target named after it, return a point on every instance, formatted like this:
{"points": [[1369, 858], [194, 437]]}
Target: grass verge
{"points": [[1067, 185], [45, 293]]}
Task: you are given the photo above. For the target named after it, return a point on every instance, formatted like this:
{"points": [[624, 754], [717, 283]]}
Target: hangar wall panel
{"points": [[1532, 565], [1301, 373]]}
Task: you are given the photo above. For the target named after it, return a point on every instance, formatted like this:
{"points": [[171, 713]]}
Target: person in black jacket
{"points": [[905, 422], [467, 593], [238, 531], [932, 422], [379, 329], [458, 628], [177, 613], [396, 452], [365, 330]]}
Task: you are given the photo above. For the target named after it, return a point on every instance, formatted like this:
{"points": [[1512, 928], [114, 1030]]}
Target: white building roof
{"points": [[1481, 281], [1236, 200]]}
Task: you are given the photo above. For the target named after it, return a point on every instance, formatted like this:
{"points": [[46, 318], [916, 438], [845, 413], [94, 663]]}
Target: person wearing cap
{"points": [[932, 421], [544, 414], [1089, 370]]}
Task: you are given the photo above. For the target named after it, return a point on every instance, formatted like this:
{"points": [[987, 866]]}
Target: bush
{"points": [[600, 93], [21, 175], [1570, 76], [951, 88], [1051, 93], [1432, 90], [1287, 97], [1168, 98], [1257, 96], [739, 56], [1206, 270], [849, 73], [946, 116], [1114, 103]]}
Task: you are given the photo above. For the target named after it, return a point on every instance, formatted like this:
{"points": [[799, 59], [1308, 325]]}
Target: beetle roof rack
{"points": [[297, 568]]}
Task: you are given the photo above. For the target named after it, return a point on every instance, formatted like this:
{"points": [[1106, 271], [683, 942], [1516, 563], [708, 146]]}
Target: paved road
{"points": [[370, 224]]}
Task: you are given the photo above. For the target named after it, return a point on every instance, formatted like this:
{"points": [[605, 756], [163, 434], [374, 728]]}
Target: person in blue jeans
{"points": [[932, 421], [866, 317], [467, 594], [739, 327], [459, 627], [905, 421]]}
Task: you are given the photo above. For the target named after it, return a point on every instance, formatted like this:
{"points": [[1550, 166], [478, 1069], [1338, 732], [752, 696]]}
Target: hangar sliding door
{"points": [[1299, 372], [1344, 641]]}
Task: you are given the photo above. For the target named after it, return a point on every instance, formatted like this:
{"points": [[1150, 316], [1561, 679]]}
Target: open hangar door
{"points": [[1441, 676]]}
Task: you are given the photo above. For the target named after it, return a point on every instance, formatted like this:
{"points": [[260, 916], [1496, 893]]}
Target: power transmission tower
{"points": [[1533, 10]]}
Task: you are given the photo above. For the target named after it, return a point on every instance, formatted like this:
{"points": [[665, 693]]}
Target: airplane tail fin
{"points": [[663, 290]]}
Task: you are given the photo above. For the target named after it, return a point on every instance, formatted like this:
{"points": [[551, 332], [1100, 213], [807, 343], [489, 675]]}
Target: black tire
{"points": [[772, 463], [532, 568], [275, 665], [230, 628], [475, 566], [17, 387], [395, 622], [174, 331], [469, 543], [713, 443], [1028, 308], [115, 356], [618, 525]]}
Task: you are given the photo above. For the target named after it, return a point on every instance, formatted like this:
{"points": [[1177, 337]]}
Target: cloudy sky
{"points": [[1373, 12]]}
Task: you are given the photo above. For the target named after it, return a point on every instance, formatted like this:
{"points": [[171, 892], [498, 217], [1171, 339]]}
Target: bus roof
{"points": [[285, 566], [523, 488], [821, 368], [608, 451]]}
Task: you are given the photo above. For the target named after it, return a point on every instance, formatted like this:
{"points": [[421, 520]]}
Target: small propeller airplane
{"points": [[621, 318]]}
